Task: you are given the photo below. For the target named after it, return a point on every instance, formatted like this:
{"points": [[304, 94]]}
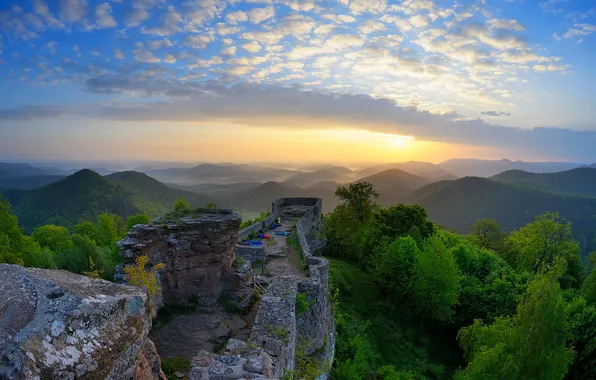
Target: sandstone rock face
{"points": [[198, 252], [59, 325]]}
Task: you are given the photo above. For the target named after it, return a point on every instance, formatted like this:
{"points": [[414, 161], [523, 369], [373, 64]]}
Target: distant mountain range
{"points": [[512, 197], [489, 168]]}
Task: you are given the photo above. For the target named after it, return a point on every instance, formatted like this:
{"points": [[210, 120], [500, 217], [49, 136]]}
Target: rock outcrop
{"points": [[59, 325], [197, 250]]}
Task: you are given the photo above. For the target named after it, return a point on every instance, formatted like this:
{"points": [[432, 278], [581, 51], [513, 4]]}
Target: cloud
{"points": [[230, 50], [119, 54], [259, 105], [579, 31], [507, 24], [169, 58], [252, 47], [368, 6], [142, 55], [103, 14], [72, 10], [169, 24], [496, 113], [238, 16], [136, 16], [258, 15], [198, 42]]}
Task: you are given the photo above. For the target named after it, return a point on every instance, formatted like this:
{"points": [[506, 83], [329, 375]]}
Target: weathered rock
{"points": [[59, 325], [197, 251], [239, 362]]}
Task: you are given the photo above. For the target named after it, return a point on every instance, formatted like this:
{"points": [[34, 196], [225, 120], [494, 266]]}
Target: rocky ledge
{"points": [[59, 325]]}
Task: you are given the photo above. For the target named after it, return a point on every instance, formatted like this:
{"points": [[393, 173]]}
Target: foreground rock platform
{"points": [[59, 325]]}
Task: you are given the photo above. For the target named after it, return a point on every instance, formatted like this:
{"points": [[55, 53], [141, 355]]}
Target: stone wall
{"points": [[198, 252], [315, 327], [59, 325], [251, 253], [254, 228], [277, 331]]}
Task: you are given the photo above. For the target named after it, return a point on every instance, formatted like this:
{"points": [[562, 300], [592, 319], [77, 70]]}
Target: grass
{"points": [[395, 341], [302, 303], [175, 364], [239, 261], [294, 244]]}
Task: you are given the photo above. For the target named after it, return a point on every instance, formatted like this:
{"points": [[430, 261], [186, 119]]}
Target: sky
{"points": [[291, 80]]}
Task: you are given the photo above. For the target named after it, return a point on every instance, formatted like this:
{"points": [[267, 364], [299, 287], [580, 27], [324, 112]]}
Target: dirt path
{"points": [[282, 258]]}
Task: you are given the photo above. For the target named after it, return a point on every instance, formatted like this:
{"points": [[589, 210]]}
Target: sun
{"points": [[399, 141]]}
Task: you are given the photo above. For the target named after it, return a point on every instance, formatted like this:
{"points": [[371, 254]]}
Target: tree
{"points": [[11, 235], [107, 229], [581, 318], [52, 236], [588, 288], [530, 345], [181, 207], [536, 246], [133, 220], [394, 262], [435, 281], [358, 198], [211, 206], [487, 233], [402, 220]]}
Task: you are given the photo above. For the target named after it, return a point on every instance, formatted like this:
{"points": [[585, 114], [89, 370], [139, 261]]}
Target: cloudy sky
{"points": [[283, 80]]}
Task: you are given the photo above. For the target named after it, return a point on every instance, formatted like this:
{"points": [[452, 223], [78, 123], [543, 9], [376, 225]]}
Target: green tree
{"points": [[181, 207], [536, 246], [394, 263], [435, 281], [487, 233], [359, 199], [133, 220], [211, 206], [581, 319], [52, 236], [402, 220], [33, 255], [107, 229], [87, 229], [11, 235], [530, 345]]}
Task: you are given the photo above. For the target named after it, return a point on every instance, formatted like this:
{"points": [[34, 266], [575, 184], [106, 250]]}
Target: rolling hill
{"points": [[224, 174], [458, 204], [85, 194], [310, 178], [489, 168], [394, 184], [422, 169], [28, 182], [581, 181]]}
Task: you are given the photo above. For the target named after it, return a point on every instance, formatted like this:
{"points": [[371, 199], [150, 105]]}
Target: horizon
{"points": [[320, 81]]}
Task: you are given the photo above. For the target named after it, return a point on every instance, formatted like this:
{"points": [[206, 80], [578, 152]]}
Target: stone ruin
{"points": [[59, 325], [198, 253]]}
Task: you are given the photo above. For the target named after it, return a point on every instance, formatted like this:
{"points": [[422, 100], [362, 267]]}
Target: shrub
{"points": [[175, 364], [302, 303], [138, 276]]}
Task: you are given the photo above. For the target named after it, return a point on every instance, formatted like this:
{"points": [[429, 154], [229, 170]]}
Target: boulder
{"points": [[59, 325]]}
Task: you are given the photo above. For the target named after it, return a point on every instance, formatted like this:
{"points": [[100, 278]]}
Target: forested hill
{"points": [[458, 204], [86, 194], [152, 196], [581, 181]]}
